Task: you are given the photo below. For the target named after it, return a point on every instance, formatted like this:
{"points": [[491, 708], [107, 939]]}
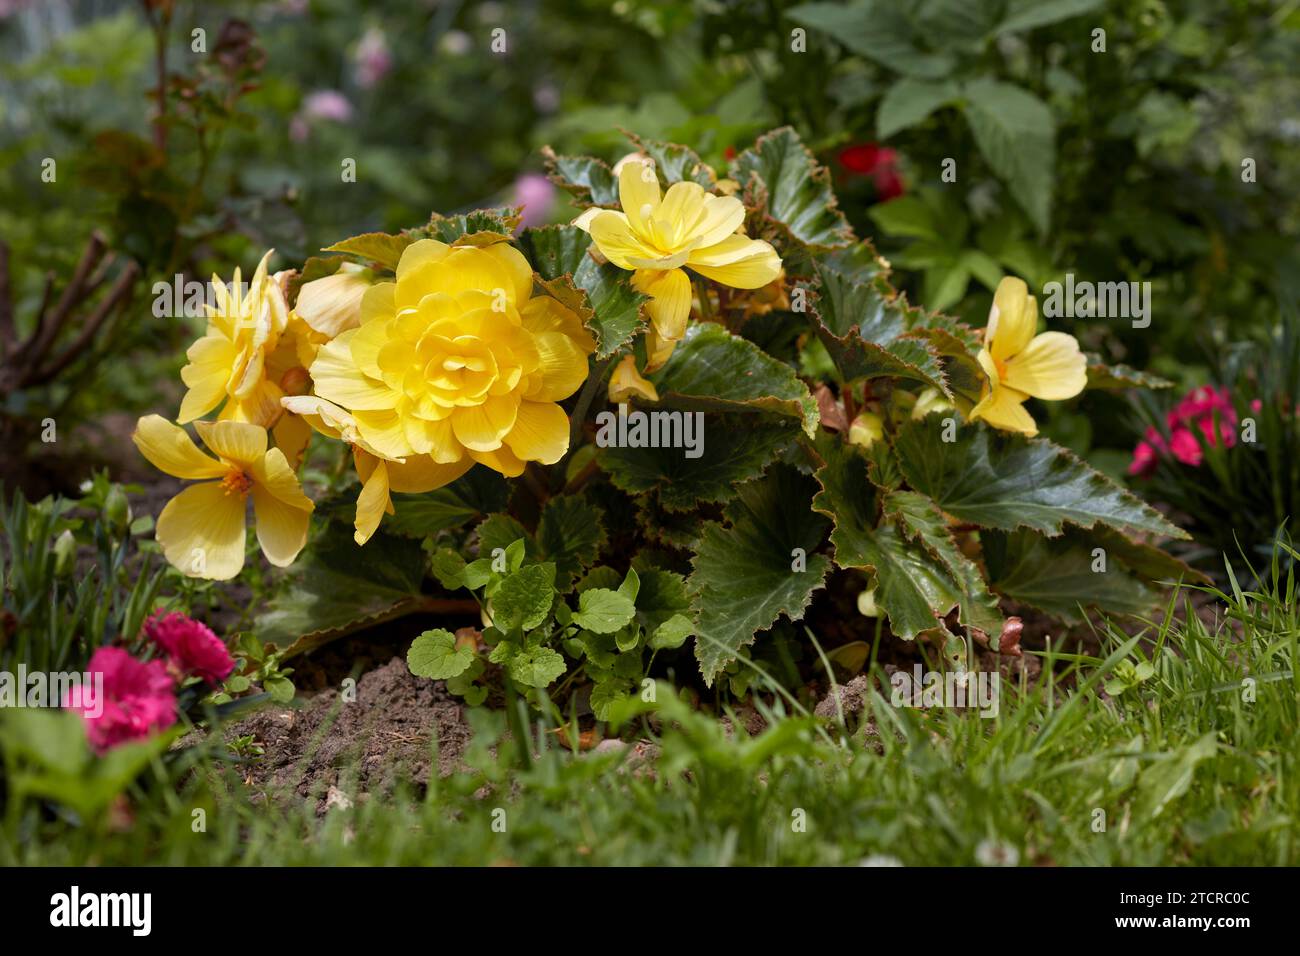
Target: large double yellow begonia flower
{"points": [[201, 530], [1020, 364], [379, 474], [655, 237], [458, 360]]}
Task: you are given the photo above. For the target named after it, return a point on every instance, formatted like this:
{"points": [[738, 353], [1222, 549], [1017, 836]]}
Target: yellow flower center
{"points": [[237, 483], [1001, 366]]}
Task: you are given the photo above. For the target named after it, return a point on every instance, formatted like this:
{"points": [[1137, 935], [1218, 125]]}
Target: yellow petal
{"points": [[171, 450], [482, 427], [583, 221], [459, 270], [563, 367], [416, 271], [420, 473], [1013, 319], [239, 443], [378, 302], [617, 242], [737, 262], [516, 266], [720, 217], [211, 360], [201, 532], [544, 314], [1003, 408], [281, 527], [676, 221], [274, 476], [626, 383], [332, 304], [373, 502], [658, 350], [260, 406], [338, 379], [1050, 367], [670, 302], [433, 438], [292, 433], [501, 459], [638, 192], [540, 433], [383, 431]]}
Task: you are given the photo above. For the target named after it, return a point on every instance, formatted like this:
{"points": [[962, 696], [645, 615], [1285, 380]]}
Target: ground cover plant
{"points": [[900, 474]]}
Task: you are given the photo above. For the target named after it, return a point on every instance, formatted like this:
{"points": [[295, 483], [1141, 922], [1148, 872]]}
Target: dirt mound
{"points": [[383, 735]]}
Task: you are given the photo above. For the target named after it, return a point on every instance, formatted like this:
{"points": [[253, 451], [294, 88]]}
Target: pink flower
{"points": [[129, 699], [536, 194], [191, 647], [327, 105], [373, 60], [1198, 409], [1145, 457]]}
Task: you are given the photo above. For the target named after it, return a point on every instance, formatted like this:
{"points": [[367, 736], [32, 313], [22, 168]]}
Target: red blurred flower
{"points": [[191, 647], [134, 699], [878, 162], [1199, 410]]}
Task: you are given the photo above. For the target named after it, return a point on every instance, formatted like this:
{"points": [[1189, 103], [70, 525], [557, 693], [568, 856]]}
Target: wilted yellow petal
{"points": [[201, 532], [171, 450], [626, 383], [658, 350]]}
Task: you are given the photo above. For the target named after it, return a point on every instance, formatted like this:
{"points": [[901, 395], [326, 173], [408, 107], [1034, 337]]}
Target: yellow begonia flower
{"points": [[655, 237], [253, 352], [626, 383], [379, 474], [867, 429], [201, 530], [1020, 364], [459, 361]]}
